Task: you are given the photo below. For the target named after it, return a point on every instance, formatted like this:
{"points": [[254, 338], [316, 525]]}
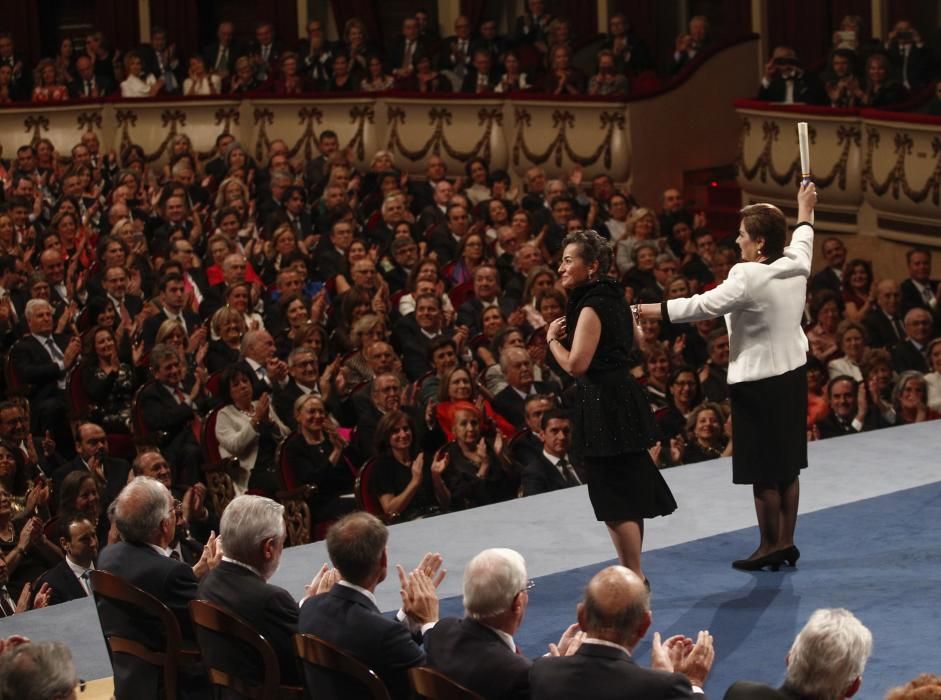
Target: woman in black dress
{"points": [[612, 419]]}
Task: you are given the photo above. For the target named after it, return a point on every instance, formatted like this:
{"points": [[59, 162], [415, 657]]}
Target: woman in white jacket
{"points": [[249, 431], [763, 303]]}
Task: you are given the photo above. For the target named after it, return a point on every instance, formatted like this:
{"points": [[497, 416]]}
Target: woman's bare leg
{"points": [[628, 539]]}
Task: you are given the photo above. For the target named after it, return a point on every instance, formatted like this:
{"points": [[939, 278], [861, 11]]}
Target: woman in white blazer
{"points": [[249, 431], [763, 304]]}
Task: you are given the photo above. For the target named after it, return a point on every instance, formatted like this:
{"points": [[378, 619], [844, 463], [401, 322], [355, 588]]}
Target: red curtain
{"points": [[808, 31], [181, 21], [474, 10], [903, 9], [119, 20], [733, 19], [365, 10], [582, 15], [21, 19], [283, 15]]}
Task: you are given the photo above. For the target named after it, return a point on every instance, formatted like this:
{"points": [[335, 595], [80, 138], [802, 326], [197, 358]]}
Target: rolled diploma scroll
{"points": [[804, 144]]}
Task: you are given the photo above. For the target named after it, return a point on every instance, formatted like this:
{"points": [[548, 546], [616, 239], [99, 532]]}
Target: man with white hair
{"points": [[478, 651], [252, 534], [38, 671], [826, 661], [266, 370], [145, 516], [42, 361]]}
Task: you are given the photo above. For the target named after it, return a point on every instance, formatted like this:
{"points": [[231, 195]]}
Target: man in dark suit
{"points": [[265, 52], [413, 334], [526, 446], [91, 447], [553, 469], [615, 616], [220, 56], [478, 651], [169, 411], [848, 415], [911, 353], [486, 294], [172, 292], [266, 371], [826, 660], [919, 289], [455, 55], [883, 323], [445, 238], [316, 170], [518, 370], [42, 360], [161, 60], [114, 281], [68, 579], [436, 213], [252, 533], [87, 85], [146, 519], [293, 211], [330, 256], [482, 77], [404, 49], [349, 618], [316, 54], [305, 379], [830, 277], [785, 81], [910, 58]]}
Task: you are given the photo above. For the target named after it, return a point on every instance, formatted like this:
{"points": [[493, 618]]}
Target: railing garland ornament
{"points": [[89, 121], [764, 167], [359, 115], [896, 180], [562, 121], [264, 117], [439, 117], [36, 123]]}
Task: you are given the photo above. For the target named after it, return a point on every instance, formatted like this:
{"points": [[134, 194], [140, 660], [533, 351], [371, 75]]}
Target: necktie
{"points": [[175, 555], [54, 349], [568, 472], [7, 606], [898, 328], [265, 52], [86, 581], [223, 58], [88, 87], [928, 295], [407, 56], [180, 396]]}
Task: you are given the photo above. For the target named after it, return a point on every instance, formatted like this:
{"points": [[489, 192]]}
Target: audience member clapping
{"points": [[826, 660]]}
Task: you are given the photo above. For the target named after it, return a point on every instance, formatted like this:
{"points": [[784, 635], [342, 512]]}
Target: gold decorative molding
{"points": [[896, 181], [559, 147], [439, 118]]}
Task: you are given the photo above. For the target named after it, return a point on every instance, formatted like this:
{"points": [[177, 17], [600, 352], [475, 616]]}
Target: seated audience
{"points": [[347, 616], [554, 468], [910, 399], [614, 617], [850, 409], [252, 534], [826, 660]]}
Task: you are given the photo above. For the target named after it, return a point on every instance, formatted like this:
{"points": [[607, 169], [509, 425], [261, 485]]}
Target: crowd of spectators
{"points": [[536, 55], [859, 71], [298, 324]]}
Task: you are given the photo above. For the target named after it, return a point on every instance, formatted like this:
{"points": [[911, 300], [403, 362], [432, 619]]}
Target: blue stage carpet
{"points": [[877, 557]]}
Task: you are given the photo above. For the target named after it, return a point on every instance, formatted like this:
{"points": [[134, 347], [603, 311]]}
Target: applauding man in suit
{"points": [[349, 618], [553, 469], [68, 579], [615, 616]]}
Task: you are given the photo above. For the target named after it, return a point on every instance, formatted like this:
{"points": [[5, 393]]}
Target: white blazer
{"points": [[763, 307], [238, 438]]}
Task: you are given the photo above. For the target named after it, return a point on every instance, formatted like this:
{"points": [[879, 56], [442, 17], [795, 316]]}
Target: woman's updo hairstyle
{"points": [[768, 222], [591, 247]]}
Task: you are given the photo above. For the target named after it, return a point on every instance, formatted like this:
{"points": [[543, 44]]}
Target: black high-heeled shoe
{"points": [[791, 555], [772, 561]]}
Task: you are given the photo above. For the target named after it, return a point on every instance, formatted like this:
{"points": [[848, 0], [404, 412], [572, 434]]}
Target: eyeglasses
{"points": [[530, 585]]}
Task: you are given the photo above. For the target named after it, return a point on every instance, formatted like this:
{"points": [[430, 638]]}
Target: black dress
{"points": [[392, 477], [612, 423]]}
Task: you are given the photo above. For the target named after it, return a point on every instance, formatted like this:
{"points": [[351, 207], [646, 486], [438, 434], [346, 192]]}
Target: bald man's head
{"points": [[616, 607]]}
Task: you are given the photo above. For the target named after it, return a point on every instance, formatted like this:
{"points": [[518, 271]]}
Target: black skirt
{"points": [[627, 487], [769, 428]]}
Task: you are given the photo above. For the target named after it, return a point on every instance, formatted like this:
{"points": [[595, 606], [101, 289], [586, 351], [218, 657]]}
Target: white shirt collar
{"points": [[160, 550], [244, 566], [605, 643], [76, 568], [254, 365], [553, 460], [532, 390], [369, 594], [505, 637]]}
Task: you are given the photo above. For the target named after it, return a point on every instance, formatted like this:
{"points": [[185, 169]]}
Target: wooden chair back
{"points": [[317, 652], [434, 685], [116, 590], [211, 617]]}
